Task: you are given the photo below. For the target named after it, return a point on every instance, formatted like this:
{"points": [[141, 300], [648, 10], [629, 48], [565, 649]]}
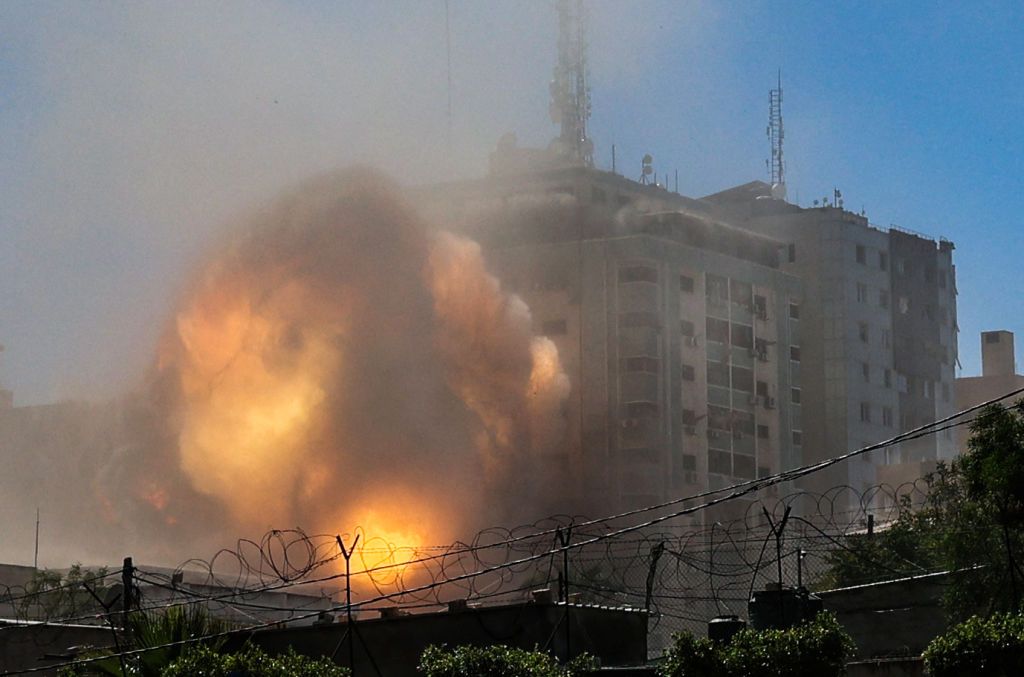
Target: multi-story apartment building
{"points": [[681, 334], [998, 377], [879, 329]]}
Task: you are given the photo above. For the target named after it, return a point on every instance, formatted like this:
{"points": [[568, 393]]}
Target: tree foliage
{"points": [[52, 595], [251, 661], [820, 647], [982, 647], [497, 661], [972, 524]]}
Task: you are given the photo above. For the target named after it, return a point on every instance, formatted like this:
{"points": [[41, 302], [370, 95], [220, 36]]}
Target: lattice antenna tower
{"points": [[776, 165], [570, 93]]}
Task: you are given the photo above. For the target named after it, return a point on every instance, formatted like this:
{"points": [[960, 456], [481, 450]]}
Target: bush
{"points": [[497, 661], [986, 647], [203, 661], [819, 648]]}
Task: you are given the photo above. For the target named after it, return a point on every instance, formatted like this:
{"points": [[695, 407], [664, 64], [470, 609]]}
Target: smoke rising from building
{"points": [[338, 363]]}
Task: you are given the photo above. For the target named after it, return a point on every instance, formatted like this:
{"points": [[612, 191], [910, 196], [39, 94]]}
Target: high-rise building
{"points": [[682, 334], [879, 329]]}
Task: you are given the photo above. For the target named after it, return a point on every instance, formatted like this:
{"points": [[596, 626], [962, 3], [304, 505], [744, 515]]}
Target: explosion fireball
{"points": [[339, 363]]}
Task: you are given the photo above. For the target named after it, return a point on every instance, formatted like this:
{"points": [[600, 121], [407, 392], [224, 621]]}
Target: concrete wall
{"points": [[394, 645], [27, 646]]}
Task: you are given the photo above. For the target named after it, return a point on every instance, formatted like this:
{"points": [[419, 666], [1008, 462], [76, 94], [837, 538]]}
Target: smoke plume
{"points": [[338, 363]]}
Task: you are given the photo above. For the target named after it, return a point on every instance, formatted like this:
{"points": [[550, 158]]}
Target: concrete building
{"points": [[681, 334], [878, 329], [998, 377]]}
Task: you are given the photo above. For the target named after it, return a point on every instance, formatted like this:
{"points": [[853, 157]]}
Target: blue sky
{"points": [[132, 134]]}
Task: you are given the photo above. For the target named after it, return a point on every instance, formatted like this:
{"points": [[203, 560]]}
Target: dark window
{"points": [[687, 371], [761, 349], [647, 365], [717, 330], [686, 327], [719, 462], [553, 328], [743, 379], [791, 251], [638, 274], [762, 389], [689, 417], [794, 353], [865, 370], [794, 395], [719, 418], [718, 374], [798, 438], [742, 423], [794, 311], [762, 432], [763, 471], [742, 336], [642, 409], [862, 254], [991, 337], [685, 283], [887, 378], [689, 462], [761, 307], [865, 412], [743, 466], [862, 331], [883, 298], [883, 260]]}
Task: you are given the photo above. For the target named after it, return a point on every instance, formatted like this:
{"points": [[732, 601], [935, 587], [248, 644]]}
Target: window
{"points": [[742, 336], [761, 307], [883, 261], [888, 378], [686, 328], [688, 372], [901, 266], [798, 438], [794, 353], [647, 365], [991, 336], [865, 370], [719, 462], [741, 293], [794, 395], [862, 331], [762, 389], [762, 432], [761, 349], [763, 471], [717, 330], [862, 254], [865, 412], [743, 379], [638, 274], [718, 374], [716, 287], [794, 311], [862, 292], [689, 462], [553, 328], [689, 417], [743, 466], [791, 251], [887, 417], [883, 298], [686, 283]]}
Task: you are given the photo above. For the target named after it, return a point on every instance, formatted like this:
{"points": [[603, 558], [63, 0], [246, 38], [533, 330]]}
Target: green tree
{"points": [[497, 661], [52, 595], [972, 524], [251, 661]]}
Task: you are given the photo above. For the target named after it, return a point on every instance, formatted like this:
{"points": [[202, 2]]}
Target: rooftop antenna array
{"points": [[776, 166], [570, 93]]}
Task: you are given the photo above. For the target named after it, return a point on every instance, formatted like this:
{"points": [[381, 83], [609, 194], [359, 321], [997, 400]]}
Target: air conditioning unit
{"points": [[769, 403], [762, 355], [692, 341], [690, 430]]}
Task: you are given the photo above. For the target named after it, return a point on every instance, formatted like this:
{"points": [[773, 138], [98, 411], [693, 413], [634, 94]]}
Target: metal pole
{"points": [[347, 554], [35, 558]]}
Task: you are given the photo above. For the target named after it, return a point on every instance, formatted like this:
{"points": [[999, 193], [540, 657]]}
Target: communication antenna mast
{"points": [[777, 168], [570, 93]]}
